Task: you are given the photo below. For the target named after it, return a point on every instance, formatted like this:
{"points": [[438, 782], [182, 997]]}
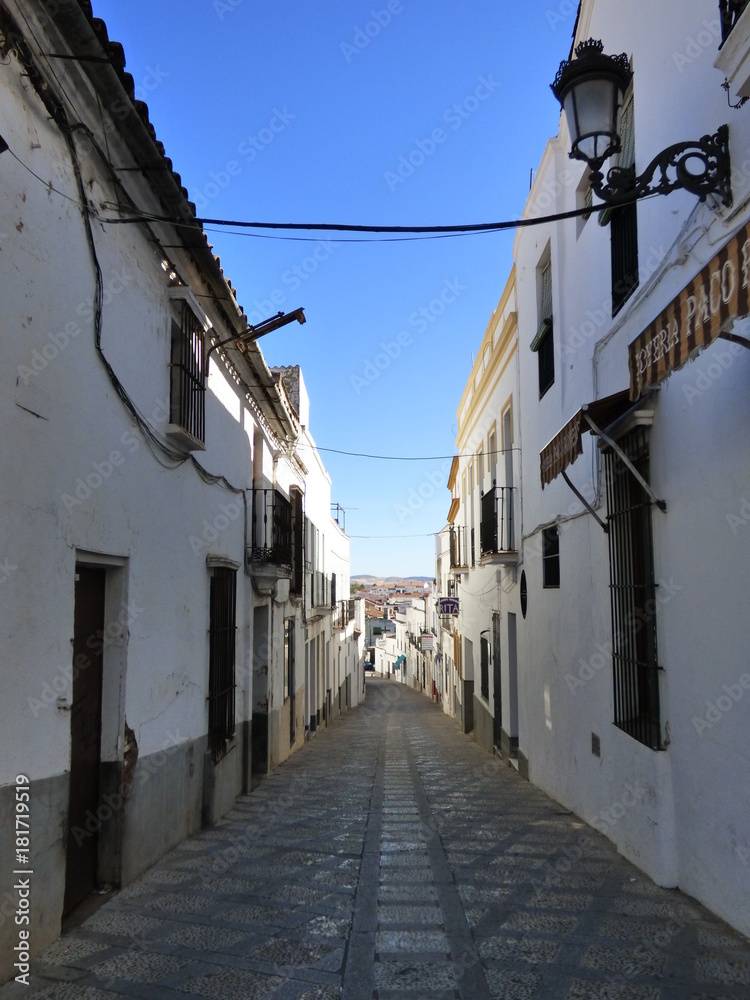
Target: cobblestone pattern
{"points": [[393, 859]]}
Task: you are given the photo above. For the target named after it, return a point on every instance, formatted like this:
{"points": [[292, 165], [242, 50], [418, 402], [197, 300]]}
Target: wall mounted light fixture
{"points": [[254, 333], [590, 89]]}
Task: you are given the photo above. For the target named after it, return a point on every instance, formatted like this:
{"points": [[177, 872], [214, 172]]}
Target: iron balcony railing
{"points": [[271, 537], [498, 528], [343, 613], [729, 13], [459, 548]]}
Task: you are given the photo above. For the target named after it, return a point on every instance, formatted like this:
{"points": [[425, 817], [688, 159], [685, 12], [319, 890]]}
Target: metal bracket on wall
{"points": [[584, 501], [661, 504]]}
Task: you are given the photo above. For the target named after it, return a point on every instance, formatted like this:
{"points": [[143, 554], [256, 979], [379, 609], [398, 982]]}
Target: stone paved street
{"points": [[392, 858]]}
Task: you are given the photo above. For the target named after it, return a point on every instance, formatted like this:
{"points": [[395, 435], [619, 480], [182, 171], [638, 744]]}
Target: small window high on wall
{"points": [[543, 343]]}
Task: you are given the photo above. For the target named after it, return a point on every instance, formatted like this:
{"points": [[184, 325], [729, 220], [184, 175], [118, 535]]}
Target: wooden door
{"points": [[85, 736]]}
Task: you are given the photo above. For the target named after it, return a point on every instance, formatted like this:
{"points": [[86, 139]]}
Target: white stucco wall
{"points": [[681, 814]]}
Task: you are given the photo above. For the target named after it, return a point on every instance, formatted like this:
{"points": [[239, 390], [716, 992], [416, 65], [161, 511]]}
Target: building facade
{"points": [[478, 558], [156, 503], [633, 375]]}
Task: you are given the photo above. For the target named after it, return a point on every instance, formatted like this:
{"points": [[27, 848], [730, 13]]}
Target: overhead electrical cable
{"points": [[418, 232], [436, 232], [408, 458], [424, 534]]}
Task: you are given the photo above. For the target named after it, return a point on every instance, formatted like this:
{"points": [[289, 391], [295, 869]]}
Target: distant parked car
{"points": [[370, 667]]}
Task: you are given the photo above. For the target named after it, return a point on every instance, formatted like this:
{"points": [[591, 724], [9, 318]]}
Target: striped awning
{"points": [[695, 318], [567, 445]]}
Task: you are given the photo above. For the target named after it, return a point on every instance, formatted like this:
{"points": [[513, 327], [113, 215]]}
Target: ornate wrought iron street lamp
{"points": [[590, 89]]}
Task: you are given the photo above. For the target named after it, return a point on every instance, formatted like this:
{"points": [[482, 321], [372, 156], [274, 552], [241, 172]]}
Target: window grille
{"points": [[187, 400], [632, 589], [221, 677], [271, 528], [288, 657], [298, 542]]}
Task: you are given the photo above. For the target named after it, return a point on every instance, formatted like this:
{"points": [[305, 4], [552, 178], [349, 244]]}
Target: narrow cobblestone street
{"points": [[392, 858]]}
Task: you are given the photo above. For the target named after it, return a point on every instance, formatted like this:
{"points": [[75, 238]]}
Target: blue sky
{"points": [[388, 113]]}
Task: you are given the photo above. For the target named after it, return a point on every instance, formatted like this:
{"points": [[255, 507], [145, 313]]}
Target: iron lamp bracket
{"points": [[701, 167]]}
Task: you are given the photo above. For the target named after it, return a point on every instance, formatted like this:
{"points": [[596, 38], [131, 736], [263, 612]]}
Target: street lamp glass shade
{"points": [[590, 89], [591, 108]]}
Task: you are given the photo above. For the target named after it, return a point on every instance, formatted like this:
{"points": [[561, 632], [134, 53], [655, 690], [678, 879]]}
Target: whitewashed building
{"points": [[634, 691], [308, 657], [154, 514], [480, 568]]}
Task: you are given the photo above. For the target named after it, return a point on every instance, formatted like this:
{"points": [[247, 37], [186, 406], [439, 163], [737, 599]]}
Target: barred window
{"points": [[632, 588], [187, 388], [221, 668], [288, 657]]}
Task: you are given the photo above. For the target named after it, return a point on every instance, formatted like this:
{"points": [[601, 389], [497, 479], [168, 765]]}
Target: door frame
{"points": [[497, 680], [119, 615]]}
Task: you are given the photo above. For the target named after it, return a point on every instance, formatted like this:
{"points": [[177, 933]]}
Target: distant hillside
{"points": [[367, 578]]}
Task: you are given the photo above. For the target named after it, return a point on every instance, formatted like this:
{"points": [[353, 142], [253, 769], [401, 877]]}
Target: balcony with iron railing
{"points": [[343, 614], [733, 57], [459, 550], [271, 538], [730, 12], [498, 529]]}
